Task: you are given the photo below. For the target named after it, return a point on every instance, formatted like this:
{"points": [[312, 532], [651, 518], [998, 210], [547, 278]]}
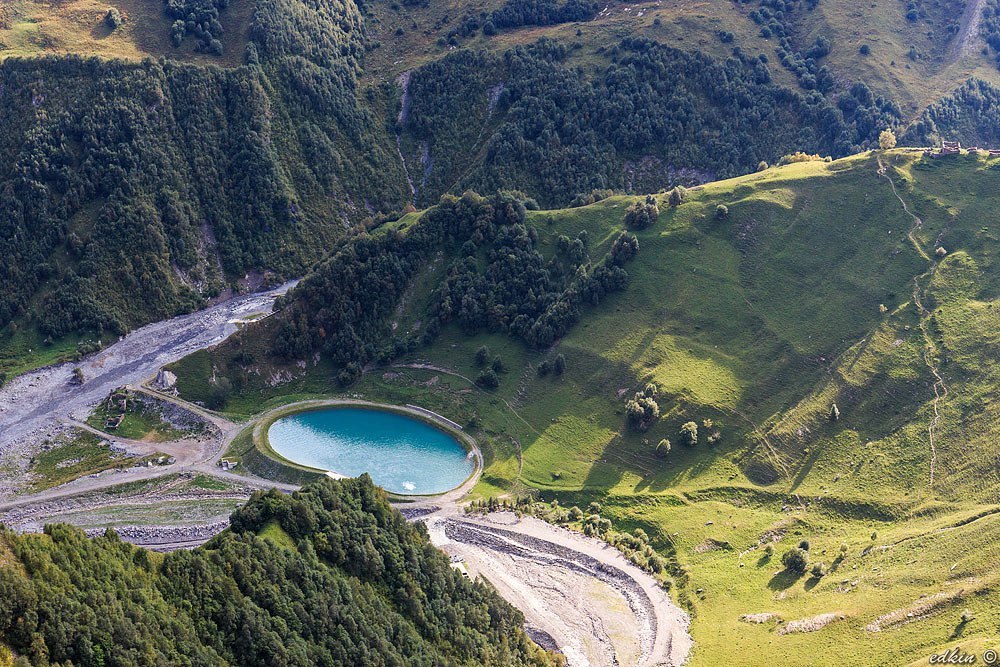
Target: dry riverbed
{"points": [[577, 594], [33, 405]]}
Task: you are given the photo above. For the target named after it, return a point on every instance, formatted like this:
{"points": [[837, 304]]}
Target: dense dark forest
{"points": [[516, 13], [197, 18], [990, 26], [970, 114], [546, 128], [132, 190], [497, 280], [350, 582]]}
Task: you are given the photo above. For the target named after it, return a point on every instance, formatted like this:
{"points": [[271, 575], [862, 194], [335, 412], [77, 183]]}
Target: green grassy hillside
{"points": [[819, 286], [35, 27]]}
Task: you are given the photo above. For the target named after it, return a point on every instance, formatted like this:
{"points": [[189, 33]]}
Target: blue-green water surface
{"points": [[402, 454]]}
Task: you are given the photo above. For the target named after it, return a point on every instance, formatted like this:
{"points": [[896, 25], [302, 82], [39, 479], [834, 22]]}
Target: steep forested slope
{"points": [[655, 117], [339, 579], [133, 190]]}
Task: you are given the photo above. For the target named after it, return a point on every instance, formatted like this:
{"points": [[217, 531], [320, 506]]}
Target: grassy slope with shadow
{"points": [[759, 322]]}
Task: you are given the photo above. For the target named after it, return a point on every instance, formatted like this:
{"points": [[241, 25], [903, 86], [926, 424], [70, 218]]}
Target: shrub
{"points": [[721, 212], [641, 412], [641, 215], [689, 434], [219, 394], [482, 355], [663, 448], [834, 412], [818, 570], [676, 196], [799, 156], [113, 19], [497, 364], [804, 545], [795, 560], [544, 368], [864, 50], [559, 365], [887, 139], [488, 379]]}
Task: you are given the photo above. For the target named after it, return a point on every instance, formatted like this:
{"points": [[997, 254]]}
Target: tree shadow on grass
{"points": [[783, 580], [811, 582], [101, 30], [959, 629]]}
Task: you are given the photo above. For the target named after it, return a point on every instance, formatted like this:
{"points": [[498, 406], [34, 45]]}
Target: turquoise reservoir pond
{"points": [[402, 454]]}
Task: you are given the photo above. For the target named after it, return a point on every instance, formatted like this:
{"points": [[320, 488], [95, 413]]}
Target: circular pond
{"points": [[402, 454]]}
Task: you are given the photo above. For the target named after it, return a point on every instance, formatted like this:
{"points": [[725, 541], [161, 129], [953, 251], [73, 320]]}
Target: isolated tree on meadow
{"points": [[641, 411], [721, 212], [887, 139], [689, 434], [834, 412], [482, 355], [113, 19], [559, 365], [625, 247], [488, 379], [663, 448], [795, 560]]}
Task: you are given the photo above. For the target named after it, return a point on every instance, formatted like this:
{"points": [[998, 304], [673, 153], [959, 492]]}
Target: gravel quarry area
{"points": [[578, 594], [33, 405]]}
